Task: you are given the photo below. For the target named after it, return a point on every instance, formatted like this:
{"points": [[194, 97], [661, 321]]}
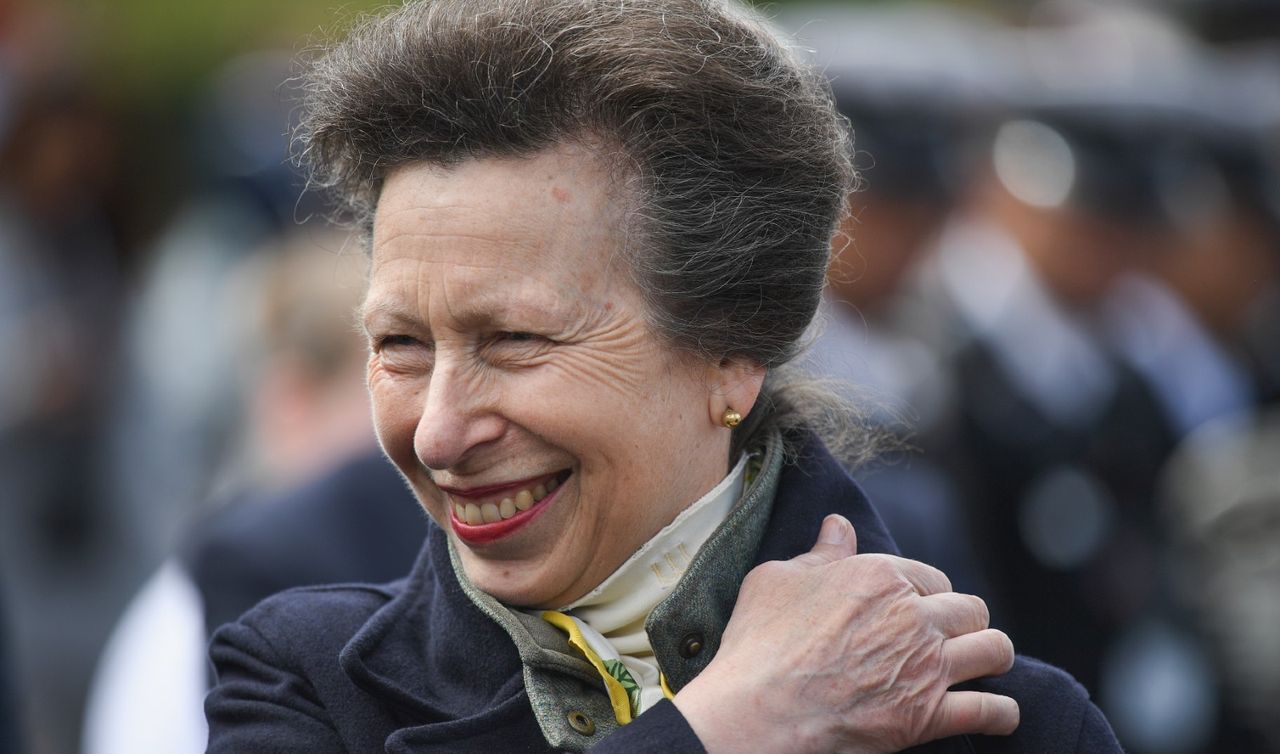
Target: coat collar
{"points": [[815, 484], [408, 652]]}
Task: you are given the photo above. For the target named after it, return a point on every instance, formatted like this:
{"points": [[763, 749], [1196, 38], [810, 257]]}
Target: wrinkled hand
{"points": [[835, 651]]}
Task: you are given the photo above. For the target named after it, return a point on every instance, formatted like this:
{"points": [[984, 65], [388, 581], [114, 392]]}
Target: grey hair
{"points": [[734, 158]]}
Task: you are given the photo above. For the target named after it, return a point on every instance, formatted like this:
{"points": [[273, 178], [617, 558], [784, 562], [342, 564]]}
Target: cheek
{"points": [[394, 419]]}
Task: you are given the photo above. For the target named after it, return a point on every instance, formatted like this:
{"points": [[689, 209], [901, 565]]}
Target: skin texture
{"points": [[862, 649], [505, 344]]}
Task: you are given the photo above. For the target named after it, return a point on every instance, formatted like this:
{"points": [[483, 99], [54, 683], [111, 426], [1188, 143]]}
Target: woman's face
{"points": [[515, 382]]}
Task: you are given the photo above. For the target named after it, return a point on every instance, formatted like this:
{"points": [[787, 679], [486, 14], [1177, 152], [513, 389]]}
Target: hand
{"points": [[835, 651]]}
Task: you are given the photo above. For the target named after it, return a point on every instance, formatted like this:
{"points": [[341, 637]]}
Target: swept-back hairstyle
{"points": [[729, 151]]}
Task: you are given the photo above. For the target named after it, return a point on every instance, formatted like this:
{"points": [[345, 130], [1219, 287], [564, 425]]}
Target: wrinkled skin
{"points": [[505, 346], [834, 651]]}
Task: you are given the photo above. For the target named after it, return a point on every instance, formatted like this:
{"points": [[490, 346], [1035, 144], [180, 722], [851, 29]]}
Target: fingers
{"points": [[924, 578], [836, 541], [955, 614], [975, 655], [967, 712]]}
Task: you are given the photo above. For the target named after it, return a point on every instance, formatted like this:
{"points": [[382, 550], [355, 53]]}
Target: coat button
{"points": [[691, 645], [580, 722]]}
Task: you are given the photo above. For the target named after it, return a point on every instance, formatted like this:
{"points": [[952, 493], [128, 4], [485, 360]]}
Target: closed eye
{"points": [[393, 341]]}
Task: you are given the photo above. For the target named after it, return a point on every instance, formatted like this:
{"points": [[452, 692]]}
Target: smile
{"points": [[485, 514]]}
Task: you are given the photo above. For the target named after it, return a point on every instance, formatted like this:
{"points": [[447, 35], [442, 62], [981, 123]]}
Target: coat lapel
{"points": [[410, 651], [811, 487]]}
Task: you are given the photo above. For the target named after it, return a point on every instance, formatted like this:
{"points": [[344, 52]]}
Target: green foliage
{"points": [[162, 49]]}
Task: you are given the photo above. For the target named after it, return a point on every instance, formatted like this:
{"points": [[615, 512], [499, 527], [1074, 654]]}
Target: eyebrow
{"points": [[385, 312], [499, 313]]}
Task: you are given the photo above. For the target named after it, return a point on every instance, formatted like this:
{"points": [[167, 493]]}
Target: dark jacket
{"points": [[415, 666], [358, 522]]}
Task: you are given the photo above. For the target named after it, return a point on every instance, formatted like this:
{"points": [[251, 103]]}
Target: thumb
{"points": [[836, 541]]}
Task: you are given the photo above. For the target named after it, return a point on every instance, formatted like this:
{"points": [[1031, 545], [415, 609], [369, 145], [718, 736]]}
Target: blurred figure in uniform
{"points": [[1183, 323], [903, 78], [318, 503], [1059, 439], [1056, 443]]}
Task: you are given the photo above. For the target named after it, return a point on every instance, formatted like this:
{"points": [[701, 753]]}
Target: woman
{"points": [[596, 231]]}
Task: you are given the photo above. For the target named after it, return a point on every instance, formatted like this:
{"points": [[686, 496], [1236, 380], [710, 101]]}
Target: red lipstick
{"points": [[482, 534]]}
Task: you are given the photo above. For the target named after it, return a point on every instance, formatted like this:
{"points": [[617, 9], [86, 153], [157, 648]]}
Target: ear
{"points": [[735, 384]]}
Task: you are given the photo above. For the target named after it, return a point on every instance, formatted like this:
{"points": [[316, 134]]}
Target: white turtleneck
{"points": [[618, 607]]}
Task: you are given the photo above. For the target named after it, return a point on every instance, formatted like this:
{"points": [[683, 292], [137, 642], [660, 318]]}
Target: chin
{"points": [[511, 583]]}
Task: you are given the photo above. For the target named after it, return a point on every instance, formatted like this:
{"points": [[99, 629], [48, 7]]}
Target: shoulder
{"points": [[280, 684], [308, 619], [1057, 714], [293, 640]]}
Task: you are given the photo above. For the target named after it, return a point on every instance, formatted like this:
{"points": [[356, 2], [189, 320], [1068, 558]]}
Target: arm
{"points": [[834, 651], [260, 706]]}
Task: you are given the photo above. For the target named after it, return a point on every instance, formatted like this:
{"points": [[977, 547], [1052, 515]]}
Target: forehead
{"points": [[487, 229]]}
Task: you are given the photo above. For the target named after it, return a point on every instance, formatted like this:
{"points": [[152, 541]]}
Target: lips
{"points": [[481, 515]]}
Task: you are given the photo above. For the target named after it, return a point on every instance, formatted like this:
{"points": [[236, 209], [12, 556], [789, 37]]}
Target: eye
{"points": [[395, 341], [517, 337]]}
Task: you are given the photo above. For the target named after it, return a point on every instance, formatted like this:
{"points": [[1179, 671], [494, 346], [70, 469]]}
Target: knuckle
{"points": [[981, 610], [1004, 649], [879, 567], [943, 582], [766, 573]]}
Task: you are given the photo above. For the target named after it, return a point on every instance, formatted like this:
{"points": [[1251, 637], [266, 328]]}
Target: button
{"points": [[581, 723], [691, 645]]}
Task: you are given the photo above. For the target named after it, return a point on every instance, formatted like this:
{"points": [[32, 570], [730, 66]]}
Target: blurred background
{"points": [[1059, 284]]}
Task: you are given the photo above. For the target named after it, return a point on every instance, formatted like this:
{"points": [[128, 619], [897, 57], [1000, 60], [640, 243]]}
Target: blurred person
{"points": [[910, 147], [1056, 443], [317, 502], [1184, 326], [59, 309], [173, 407], [597, 234], [915, 80], [1183, 322], [58, 302]]}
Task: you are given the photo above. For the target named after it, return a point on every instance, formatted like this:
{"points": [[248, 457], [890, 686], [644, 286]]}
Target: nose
{"points": [[457, 417]]}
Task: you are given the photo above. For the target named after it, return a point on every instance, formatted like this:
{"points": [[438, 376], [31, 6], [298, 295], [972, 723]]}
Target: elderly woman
{"points": [[597, 230]]}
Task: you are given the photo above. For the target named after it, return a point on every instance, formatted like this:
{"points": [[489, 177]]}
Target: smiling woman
{"points": [[597, 231], [463, 258]]}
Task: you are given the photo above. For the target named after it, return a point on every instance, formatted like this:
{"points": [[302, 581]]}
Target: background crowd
{"points": [[1059, 289]]}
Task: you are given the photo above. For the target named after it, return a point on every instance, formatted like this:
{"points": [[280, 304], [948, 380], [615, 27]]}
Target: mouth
{"points": [[486, 514]]}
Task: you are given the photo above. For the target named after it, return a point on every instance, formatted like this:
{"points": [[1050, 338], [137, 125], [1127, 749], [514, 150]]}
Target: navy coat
{"points": [[359, 522], [413, 666]]}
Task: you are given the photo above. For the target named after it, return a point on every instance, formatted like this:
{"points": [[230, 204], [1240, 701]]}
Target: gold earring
{"points": [[731, 418]]}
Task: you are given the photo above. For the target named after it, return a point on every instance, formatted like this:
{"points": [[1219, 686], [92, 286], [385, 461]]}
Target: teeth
{"points": [[473, 514]]}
